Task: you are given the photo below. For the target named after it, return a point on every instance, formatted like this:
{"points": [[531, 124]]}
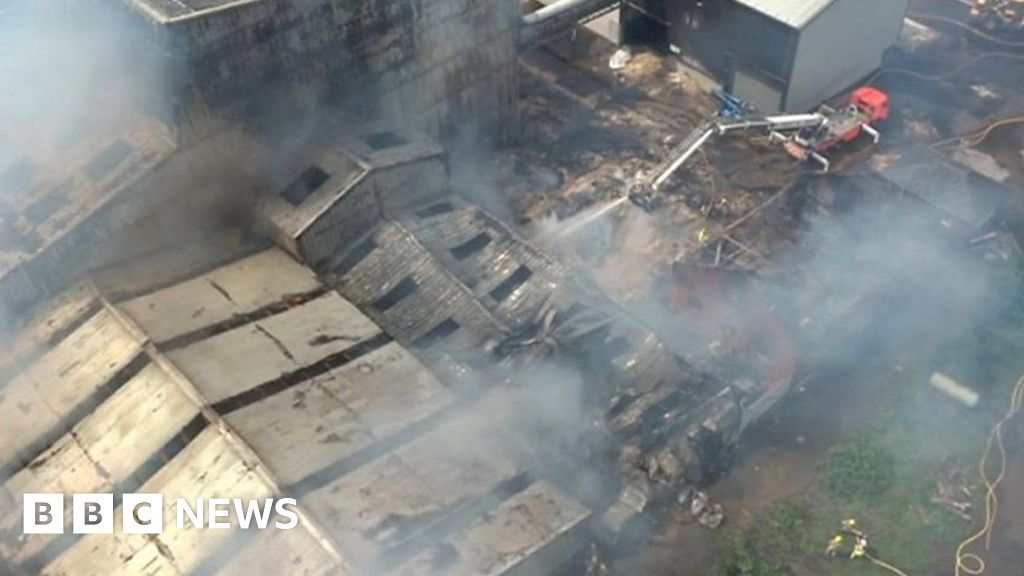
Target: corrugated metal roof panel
{"points": [[795, 13]]}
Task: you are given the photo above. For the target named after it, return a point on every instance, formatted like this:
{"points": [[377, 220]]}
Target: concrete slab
{"points": [[300, 431], [388, 389], [291, 553], [64, 469], [112, 555], [24, 418], [406, 492], [63, 378], [135, 423], [103, 450], [209, 467], [243, 358], [84, 361], [238, 288], [45, 323], [327, 419], [533, 532]]}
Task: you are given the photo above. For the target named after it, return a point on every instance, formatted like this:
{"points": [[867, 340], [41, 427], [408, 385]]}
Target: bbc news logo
{"points": [[144, 513]]}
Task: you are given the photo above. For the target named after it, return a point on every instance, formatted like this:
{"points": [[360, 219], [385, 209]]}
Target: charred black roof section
{"points": [[435, 210], [401, 291], [471, 246], [355, 256], [618, 346], [384, 140], [502, 291], [105, 162], [302, 187], [438, 333], [569, 313]]}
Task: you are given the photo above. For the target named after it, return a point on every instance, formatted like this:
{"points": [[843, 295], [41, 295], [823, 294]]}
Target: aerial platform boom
{"points": [[806, 137], [702, 133]]}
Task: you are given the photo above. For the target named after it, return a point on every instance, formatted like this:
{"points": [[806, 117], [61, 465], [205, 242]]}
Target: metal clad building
{"points": [[784, 54]]}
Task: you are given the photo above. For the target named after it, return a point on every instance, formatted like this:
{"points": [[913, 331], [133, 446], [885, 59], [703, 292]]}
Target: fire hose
{"points": [[966, 27], [885, 566], [952, 71], [980, 136], [968, 562], [969, 139]]}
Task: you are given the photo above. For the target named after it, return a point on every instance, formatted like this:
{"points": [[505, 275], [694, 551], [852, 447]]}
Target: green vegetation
{"points": [[886, 475], [859, 469], [741, 559], [783, 529], [778, 540]]}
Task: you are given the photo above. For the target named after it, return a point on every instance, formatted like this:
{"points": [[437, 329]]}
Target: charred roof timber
{"points": [[405, 288], [471, 246], [502, 291]]}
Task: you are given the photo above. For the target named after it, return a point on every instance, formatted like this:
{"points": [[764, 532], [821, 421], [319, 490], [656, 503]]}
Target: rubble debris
{"points": [[708, 514], [981, 163], [620, 59], [961, 508], [596, 565], [951, 490]]}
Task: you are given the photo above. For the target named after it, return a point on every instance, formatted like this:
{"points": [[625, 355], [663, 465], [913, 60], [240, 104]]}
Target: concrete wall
{"points": [[439, 66], [841, 46]]}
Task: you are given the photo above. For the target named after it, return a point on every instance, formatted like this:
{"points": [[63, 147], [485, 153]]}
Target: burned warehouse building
{"points": [[509, 288]]}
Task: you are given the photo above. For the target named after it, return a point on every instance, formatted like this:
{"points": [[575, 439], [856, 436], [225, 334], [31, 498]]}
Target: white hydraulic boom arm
{"points": [[693, 142]]}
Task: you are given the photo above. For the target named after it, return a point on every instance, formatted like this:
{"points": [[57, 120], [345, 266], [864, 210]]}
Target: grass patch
{"points": [[741, 558], [776, 542], [783, 530], [859, 469], [886, 475]]}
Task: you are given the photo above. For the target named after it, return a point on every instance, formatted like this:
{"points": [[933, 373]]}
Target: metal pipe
{"points": [[954, 389], [870, 131], [556, 17], [683, 158]]}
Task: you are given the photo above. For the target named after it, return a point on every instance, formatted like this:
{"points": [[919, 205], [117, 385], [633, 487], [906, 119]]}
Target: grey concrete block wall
{"points": [[438, 66]]}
